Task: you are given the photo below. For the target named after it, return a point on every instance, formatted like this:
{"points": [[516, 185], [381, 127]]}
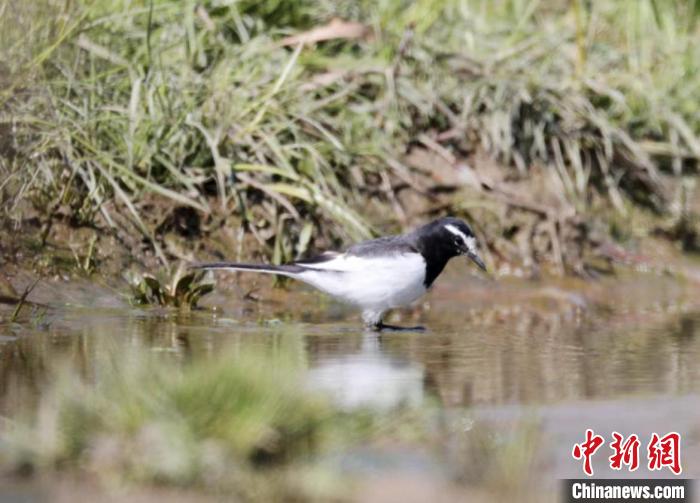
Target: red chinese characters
{"points": [[587, 449], [626, 452], [662, 452], [665, 451]]}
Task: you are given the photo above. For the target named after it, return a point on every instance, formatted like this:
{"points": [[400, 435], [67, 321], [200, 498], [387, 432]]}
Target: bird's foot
{"points": [[383, 327]]}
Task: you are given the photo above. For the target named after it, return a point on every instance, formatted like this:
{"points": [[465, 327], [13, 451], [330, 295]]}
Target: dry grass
{"points": [[208, 107]]}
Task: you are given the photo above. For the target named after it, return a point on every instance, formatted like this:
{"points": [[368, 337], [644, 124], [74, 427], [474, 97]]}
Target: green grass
{"points": [[183, 290], [115, 104], [238, 423]]}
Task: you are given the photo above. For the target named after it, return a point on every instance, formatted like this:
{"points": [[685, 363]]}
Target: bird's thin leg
{"points": [[373, 321], [381, 326]]}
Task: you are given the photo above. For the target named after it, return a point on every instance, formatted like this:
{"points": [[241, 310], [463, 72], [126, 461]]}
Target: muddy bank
{"points": [[525, 229]]}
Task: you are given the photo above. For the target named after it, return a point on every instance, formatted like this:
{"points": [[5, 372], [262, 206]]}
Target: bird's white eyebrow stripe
{"points": [[469, 242]]}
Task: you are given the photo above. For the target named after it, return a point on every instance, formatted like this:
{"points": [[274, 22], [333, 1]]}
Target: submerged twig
{"points": [[22, 300]]}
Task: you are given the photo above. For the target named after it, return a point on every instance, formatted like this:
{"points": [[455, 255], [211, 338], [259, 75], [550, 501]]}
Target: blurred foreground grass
{"points": [[164, 122], [241, 424]]}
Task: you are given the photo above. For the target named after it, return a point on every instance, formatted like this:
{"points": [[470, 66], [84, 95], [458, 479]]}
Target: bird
{"points": [[379, 274]]}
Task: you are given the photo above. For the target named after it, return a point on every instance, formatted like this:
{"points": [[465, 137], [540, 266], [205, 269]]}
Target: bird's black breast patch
{"points": [[436, 258], [432, 271]]}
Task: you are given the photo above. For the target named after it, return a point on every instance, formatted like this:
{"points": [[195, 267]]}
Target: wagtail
{"points": [[379, 274]]}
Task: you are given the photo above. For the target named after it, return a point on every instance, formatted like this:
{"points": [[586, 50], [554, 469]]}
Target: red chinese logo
{"points": [[626, 452], [665, 451], [587, 449], [661, 452]]}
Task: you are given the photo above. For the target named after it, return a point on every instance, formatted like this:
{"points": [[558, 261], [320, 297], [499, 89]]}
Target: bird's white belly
{"points": [[376, 283]]}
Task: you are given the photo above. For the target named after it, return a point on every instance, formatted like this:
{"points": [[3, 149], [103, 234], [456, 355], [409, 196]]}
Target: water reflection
{"points": [[365, 376], [623, 358], [542, 360], [502, 348]]}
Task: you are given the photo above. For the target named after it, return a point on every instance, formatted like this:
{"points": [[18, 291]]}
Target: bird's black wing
{"points": [[318, 259], [390, 245]]}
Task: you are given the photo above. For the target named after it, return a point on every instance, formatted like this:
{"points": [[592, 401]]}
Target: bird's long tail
{"points": [[284, 270]]}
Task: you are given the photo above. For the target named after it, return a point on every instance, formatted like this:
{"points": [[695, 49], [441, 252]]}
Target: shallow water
{"points": [[616, 354]]}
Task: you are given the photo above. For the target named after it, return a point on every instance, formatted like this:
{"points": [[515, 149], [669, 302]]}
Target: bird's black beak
{"points": [[477, 260]]}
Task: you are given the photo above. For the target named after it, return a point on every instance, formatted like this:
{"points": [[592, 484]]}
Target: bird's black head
{"points": [[451, 237]]}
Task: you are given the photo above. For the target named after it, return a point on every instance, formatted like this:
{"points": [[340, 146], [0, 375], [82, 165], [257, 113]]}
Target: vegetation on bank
{"points": [[183, 290], [182, 128]]}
